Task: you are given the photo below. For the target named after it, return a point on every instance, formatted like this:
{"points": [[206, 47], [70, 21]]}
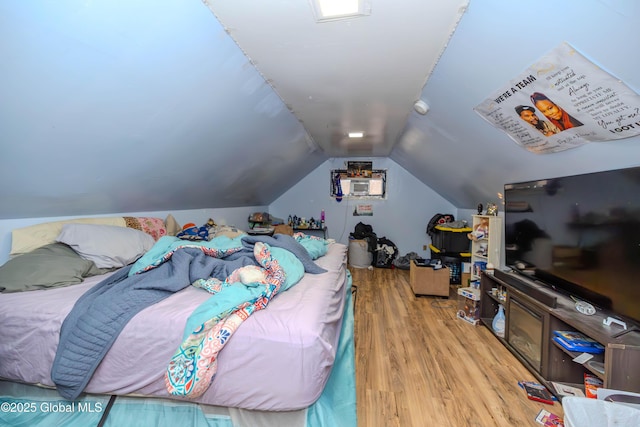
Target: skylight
{"points": [[329, 10]]}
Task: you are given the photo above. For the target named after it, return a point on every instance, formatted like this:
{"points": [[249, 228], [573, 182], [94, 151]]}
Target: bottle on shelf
{"points": [[498, 322], [490, 268]]}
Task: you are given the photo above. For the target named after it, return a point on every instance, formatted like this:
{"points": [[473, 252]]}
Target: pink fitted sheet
{"points": [[278, 360]]}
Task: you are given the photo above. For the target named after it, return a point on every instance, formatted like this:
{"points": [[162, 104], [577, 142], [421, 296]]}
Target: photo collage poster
{"points": [[563, 101]]}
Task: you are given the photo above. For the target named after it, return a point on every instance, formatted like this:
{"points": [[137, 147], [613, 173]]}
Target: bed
{"points": [[276, 364]]}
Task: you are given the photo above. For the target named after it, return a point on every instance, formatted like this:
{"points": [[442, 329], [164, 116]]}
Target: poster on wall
{"points": [[563, 101], [363, 210]]}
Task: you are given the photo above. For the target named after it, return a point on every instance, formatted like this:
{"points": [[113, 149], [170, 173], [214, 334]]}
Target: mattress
{"points": [[278, 360]]}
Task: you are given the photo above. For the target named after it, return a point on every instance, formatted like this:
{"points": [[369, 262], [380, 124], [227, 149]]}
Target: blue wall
{"points": [[402, 217]]}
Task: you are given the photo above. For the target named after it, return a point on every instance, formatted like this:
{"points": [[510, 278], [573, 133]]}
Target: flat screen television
{"points": [[579, 235]]}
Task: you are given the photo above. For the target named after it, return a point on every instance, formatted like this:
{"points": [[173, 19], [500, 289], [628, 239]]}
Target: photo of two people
{"points": [[558, 118]]}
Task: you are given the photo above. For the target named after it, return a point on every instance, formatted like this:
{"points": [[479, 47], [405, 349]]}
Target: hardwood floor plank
{"points": [[418, 365]]}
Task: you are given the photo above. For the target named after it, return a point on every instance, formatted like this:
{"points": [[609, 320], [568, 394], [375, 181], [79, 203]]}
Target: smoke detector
{"points": [[421, 107]]}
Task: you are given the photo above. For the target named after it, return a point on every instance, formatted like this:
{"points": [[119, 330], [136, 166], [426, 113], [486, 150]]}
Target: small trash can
{"points": [[359, 255]]}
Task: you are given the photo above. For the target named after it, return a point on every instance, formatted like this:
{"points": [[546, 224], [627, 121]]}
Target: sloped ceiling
{"points": [[146, 106], [138, 106], [355, 74], [460, 155]]}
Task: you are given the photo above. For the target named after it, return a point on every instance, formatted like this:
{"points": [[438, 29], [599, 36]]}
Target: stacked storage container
{"points": [[451, 246]]}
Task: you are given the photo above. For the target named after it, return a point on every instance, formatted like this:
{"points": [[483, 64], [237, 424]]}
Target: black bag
{"points": [[365, 232], [386, 253], [361, 231], [438, 219]]}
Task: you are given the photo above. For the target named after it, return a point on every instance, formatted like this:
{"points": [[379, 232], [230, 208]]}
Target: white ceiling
{"points": [[109, 107], [355, 74]]}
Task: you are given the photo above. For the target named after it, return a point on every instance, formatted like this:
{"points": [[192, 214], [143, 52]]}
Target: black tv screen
{"points": [[580, 235]]}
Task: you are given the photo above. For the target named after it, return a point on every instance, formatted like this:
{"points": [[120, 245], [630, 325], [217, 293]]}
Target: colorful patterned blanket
{"points": [[279, 264], [100, 314], [194, 364], [243, 275]]}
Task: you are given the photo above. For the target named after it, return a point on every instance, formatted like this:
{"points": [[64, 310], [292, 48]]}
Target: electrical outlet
{"points": [[424, 247]]}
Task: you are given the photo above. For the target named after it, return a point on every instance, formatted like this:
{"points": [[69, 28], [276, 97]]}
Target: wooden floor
{"points": [[418, 365]]}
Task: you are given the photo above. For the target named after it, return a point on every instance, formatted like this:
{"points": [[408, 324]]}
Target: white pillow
{"points": [[106, 245], [32, 237]]}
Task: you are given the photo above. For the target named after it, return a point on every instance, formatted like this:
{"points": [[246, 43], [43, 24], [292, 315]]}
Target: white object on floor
{"points": [[586, 412]]}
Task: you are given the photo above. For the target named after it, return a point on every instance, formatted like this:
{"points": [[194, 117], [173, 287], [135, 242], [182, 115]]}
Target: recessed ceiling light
{"points": [[329, 10], [356, 134]]}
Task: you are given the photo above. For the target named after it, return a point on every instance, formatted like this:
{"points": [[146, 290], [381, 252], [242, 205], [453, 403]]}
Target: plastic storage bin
{"points": [[447, 239], [453, 262]]}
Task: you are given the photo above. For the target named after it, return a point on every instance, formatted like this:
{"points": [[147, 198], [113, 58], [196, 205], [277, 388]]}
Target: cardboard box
{"points": [[427, 281], [465, 279]]}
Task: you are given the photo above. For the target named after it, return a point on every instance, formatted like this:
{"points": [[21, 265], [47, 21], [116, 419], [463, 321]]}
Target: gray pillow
{"points": [[50, 266], [108, 246]]}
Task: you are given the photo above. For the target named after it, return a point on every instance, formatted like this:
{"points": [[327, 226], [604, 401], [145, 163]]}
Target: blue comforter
{"points": [[101, 313]]}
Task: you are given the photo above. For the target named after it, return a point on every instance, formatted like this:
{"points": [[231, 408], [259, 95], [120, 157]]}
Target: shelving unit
{"points": [[533, 312], [573, 354], [486, 247], [489, 304]]}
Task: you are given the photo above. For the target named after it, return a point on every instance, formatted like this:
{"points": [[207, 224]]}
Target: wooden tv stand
{"points": [[533, 311]]}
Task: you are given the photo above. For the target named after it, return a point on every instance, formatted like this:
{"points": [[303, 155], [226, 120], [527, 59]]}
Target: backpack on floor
{"points": [[386, 252]]}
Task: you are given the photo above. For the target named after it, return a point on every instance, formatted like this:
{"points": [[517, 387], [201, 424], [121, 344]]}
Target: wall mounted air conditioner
{"points": [[361, 187]]}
